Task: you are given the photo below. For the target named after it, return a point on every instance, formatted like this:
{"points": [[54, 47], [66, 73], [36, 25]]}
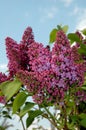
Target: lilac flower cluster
{"points": [[17, 53], [52, 72], [47, 74]]}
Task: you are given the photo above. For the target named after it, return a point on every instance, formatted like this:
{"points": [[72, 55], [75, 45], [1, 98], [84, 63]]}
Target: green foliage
{"points": [[53, 35], [73, 38], [29, 121], [82, 49], [19, 101], [10, 88], [84, 31], [32, 115], [65, 28], [27, 107], [83, 122]]}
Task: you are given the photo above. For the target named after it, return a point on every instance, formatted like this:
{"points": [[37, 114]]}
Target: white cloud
{"points": [[81, 20], [48, 13], [67, 2]]}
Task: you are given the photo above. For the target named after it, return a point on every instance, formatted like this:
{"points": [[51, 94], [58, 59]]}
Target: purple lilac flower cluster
{"points": [[47, 74], [52, 72]]}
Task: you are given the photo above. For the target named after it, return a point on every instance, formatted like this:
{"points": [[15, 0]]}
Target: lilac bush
{"points": [[53, 77]]}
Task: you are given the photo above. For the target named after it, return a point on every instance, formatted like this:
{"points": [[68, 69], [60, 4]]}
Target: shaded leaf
{"points": [[82, 49], [84, 31], [83, 122], [35, 113], [26, 108], [82, 115], [74, 37], [29, 121], [32, 115]]}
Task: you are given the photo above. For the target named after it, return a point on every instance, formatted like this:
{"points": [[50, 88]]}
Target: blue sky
{"points": [[41, 15]]}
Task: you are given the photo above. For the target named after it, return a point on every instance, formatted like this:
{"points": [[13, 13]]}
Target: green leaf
{"points": [[82, 49], [84, 31], [26, 108], [29, 121], [32, 115], [9, 88], [53, 35], [1, 94], [82, 115], [65, 28], [59, 27], [19, 101], [84, 88], [83, 122], [35, 113], [74, 37]]}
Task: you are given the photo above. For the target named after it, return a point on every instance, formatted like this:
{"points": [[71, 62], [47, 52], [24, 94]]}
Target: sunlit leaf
{"points": [[65, 28], [19, 101], [53, 35], [9, 88]]}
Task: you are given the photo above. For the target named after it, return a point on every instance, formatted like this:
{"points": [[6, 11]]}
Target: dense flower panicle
{"points": [[39, 57], [48, 74], [63, 63], [12, 50], [28, 36], [3, 77], [34, 50], [53, 72], [29, 80], [23, 54], [17, 55], [62, 39]]}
